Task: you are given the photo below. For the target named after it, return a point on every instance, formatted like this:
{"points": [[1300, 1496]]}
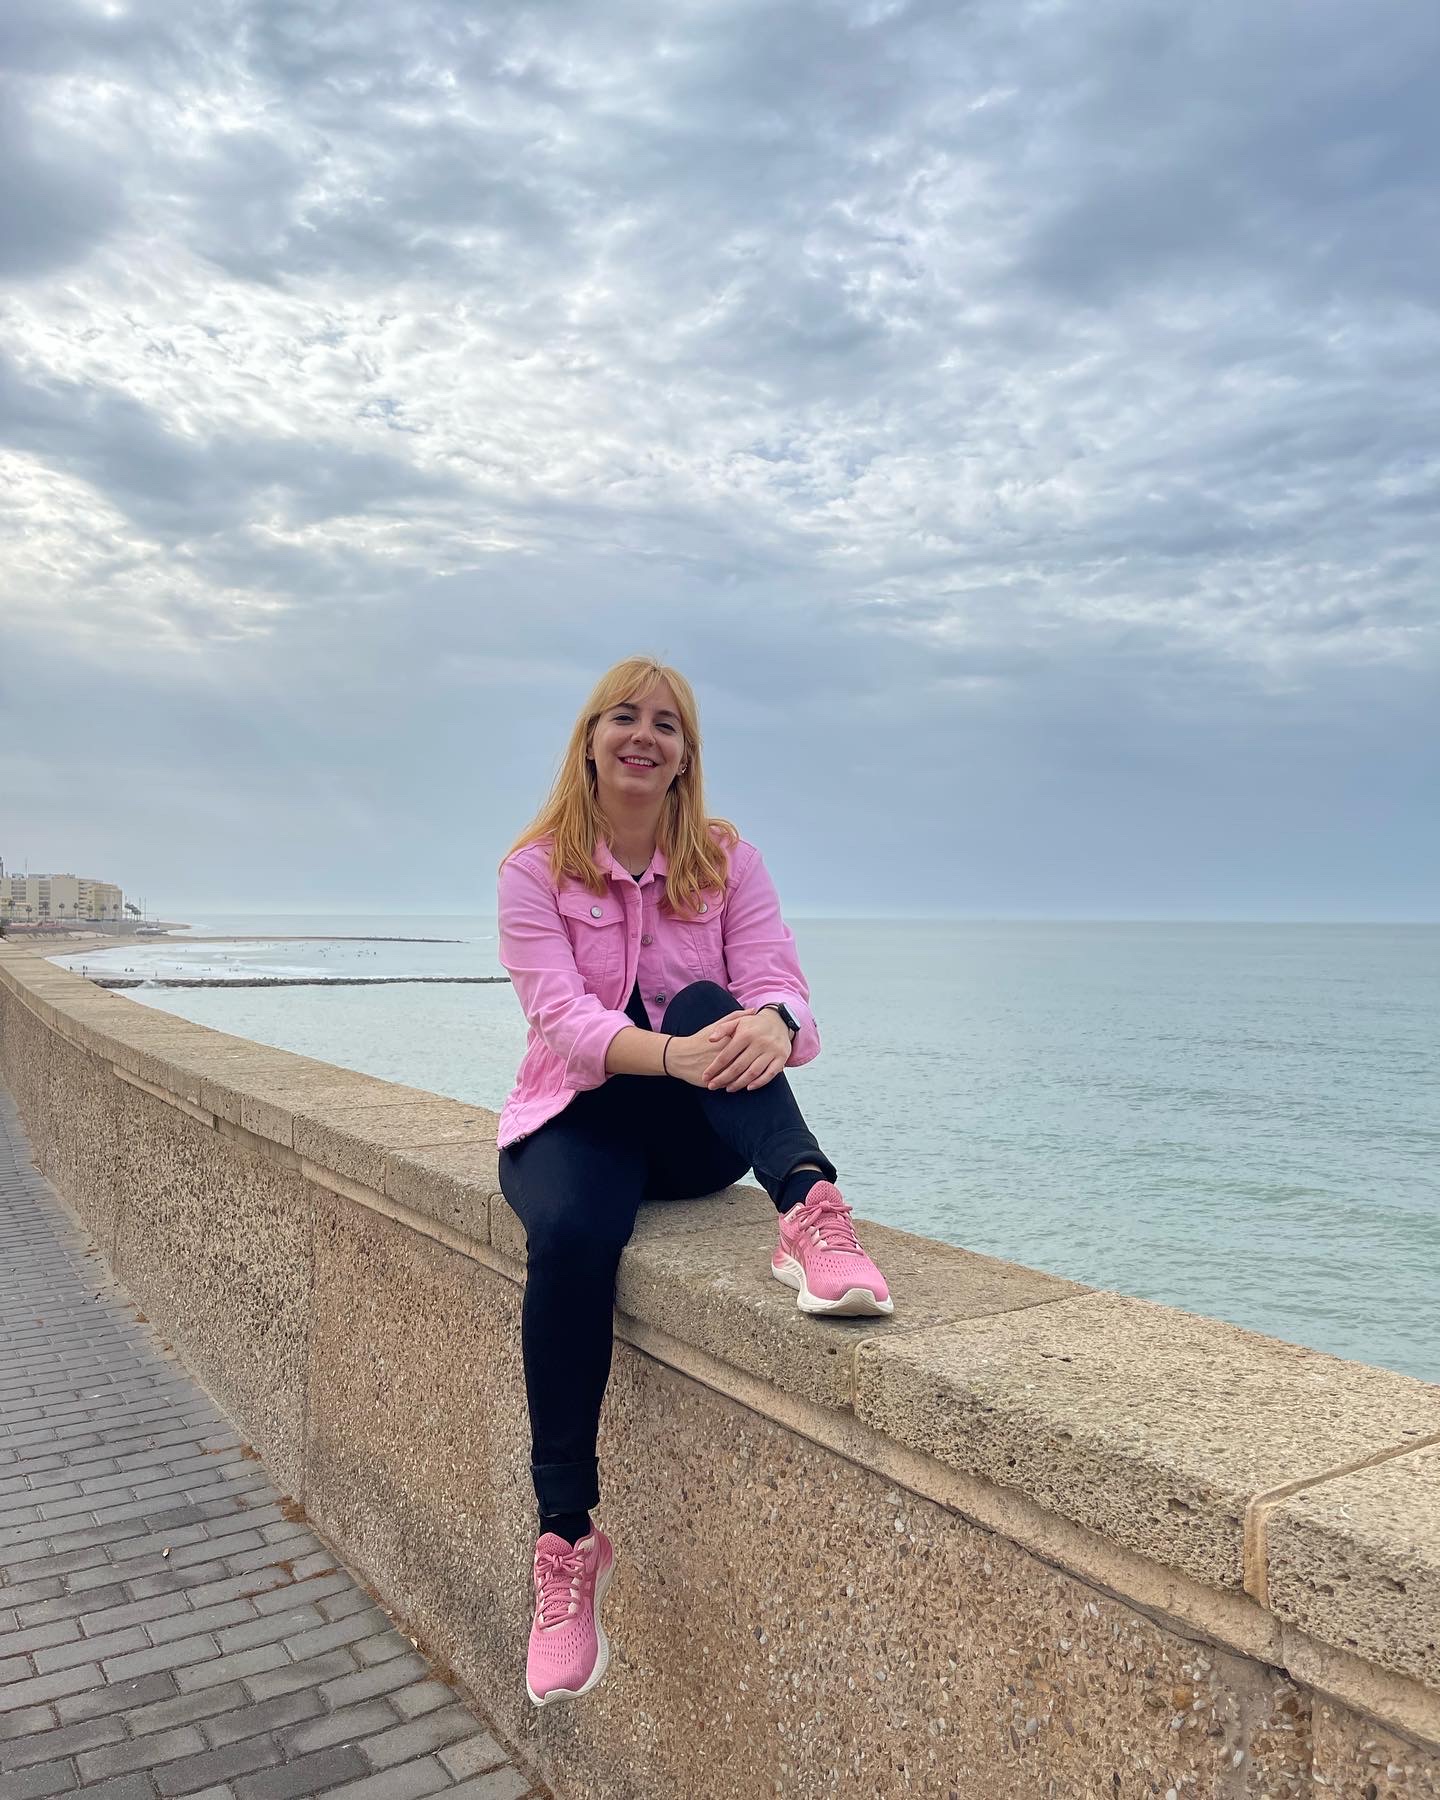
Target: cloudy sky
{"points": [[1019, 418]]}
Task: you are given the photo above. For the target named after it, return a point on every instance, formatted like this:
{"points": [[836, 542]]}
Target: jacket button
{"points": [[704, 906], [659, 999], [597, 912], [647, 939]]}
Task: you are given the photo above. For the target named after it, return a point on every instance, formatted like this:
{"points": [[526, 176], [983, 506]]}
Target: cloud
{"points": [[58, 200], [1023, 389]]}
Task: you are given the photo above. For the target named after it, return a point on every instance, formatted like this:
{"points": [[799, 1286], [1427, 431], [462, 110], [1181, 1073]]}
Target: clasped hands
{"points": [[743, 1050]]}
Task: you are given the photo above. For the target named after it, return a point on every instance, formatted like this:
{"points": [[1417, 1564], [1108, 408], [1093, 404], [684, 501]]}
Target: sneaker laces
{"points": [[558, 1575], [827, 1223]]}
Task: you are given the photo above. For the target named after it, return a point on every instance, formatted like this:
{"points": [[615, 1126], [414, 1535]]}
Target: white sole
{"points": [[602, 1657], [854, 1303]]}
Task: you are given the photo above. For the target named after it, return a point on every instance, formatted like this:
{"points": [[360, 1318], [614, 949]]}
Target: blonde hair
{"points": [[696, 846]]}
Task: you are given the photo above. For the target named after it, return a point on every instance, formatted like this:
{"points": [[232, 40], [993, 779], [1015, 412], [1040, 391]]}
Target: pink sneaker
{"points": [[818, 1254], [568, 1651]]}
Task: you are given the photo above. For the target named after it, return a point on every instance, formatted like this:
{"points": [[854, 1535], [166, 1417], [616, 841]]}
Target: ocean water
{"points": [[1241, 1120]]}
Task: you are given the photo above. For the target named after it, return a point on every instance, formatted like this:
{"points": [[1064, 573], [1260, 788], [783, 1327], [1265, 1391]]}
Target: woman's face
{"points": [[637, 748]]}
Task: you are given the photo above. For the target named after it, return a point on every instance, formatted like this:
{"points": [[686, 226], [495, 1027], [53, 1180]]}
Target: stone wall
{"points": [[1022, 1540]]}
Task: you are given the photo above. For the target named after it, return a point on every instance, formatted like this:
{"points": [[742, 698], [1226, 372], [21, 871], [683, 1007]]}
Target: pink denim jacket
{"points": [[574, 959]]}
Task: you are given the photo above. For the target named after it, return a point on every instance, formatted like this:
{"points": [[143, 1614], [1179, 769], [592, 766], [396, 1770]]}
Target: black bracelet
{"points": [[664, 1066]]}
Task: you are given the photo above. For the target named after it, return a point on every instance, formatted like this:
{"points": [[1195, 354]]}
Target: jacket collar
{"points": [[659, 864]]}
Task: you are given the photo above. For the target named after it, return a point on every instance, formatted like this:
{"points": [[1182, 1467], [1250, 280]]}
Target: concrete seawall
{"points": [[1022, 1540]]}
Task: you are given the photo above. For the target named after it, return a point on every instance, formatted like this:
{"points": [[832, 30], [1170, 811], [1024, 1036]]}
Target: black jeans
{"points": [[577, 1184]]}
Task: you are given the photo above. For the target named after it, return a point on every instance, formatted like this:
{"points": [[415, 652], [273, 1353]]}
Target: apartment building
{"points": [[29, 899]]}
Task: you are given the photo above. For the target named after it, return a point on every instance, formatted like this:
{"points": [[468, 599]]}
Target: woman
{"points": [[645, 943]]}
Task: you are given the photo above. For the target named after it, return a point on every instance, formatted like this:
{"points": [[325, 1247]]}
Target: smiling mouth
{"points": [[637, 762]]}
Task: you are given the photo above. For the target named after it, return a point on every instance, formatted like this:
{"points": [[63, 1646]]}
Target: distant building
{"points": [[29, 899]]}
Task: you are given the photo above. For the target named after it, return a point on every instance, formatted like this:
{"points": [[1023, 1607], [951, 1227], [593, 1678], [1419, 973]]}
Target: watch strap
{"points": [[787, 1018]]}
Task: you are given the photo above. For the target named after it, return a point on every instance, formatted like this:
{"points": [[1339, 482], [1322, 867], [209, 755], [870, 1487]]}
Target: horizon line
{"points": [[828, 916]]}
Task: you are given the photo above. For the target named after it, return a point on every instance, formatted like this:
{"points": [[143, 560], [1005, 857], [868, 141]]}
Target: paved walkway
{"points": [[166, 1626]]}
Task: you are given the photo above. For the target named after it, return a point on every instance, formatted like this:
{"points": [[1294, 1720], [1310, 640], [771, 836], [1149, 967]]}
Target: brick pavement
{"points": [[168, 1624]]}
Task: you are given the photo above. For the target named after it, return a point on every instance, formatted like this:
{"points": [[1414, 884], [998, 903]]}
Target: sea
{"points": [[1240, 1120]]}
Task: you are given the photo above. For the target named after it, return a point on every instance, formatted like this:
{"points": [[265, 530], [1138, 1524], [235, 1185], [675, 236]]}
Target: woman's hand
{"points": [[744, 1050]]}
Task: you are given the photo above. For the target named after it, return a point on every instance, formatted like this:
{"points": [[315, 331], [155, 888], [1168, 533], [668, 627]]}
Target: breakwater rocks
{"points": [[289, 981]]}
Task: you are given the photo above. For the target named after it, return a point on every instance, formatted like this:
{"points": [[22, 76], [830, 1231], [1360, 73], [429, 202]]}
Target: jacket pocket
{"points": [[704, 937], [597, 930]]}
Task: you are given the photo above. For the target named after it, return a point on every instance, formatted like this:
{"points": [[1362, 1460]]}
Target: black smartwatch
{"points": [[786, 1015]]}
